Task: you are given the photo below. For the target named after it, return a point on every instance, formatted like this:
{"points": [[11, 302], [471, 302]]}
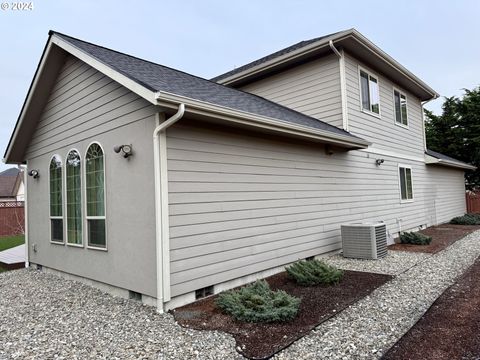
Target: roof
{"points": [[162, 78], [354, 44], [441, 159], [158, 83], [274, 55], [9, 182]]}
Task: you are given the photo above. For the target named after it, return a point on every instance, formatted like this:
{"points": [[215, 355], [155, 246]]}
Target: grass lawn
{"points": [[8, 242]]}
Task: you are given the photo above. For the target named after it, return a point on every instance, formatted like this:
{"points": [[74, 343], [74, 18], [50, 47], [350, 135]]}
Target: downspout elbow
{"points": [[170, 121], [334, 49]]}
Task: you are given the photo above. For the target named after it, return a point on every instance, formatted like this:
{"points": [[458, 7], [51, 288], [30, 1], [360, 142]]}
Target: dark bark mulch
{"points": [[450, 329], [260, 341], [442, 236]]}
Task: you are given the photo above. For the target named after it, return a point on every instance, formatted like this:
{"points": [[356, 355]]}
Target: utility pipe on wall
{"points": [[162, 236], [343, 85]]}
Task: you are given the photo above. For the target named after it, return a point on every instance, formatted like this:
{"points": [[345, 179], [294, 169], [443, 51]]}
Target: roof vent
{"points": [[364, 241]]}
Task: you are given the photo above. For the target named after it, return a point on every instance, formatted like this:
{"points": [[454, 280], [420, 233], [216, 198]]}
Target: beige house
{"points": [[154, 183]]}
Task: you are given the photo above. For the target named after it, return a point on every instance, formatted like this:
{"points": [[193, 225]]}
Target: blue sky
{"points": [[436, 40]]}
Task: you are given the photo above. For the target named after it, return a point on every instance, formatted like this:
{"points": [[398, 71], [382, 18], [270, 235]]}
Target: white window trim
{"points": [[66, 205], [49, 208], [394, 113], [93, 247], [403, 201], [372, 74]]}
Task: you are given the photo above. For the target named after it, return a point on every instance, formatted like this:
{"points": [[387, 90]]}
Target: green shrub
{"points": [[258, 303], [314, 272], [415, 238], [467, 219]]}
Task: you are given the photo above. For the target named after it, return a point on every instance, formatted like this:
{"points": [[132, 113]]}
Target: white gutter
{"points": [[343, 83], [162, 234]]}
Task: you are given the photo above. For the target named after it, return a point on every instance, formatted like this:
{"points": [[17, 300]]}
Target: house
{"points": [[156, 184], [11, 185]]}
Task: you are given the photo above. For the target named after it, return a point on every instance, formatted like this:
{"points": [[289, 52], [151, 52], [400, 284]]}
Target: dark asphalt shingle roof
{"points": [[157, 77], [8, 182], [443, 157], [270, 57]]}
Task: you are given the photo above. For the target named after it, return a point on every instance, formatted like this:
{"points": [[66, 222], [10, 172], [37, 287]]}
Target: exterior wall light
{"points": [[125, 149], [34, 173], [379, 162]]}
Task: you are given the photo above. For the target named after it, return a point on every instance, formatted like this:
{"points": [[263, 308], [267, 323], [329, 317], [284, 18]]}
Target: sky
{"points": [[436, 40]]}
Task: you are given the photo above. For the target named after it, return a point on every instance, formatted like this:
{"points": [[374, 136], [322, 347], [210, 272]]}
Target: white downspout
{"points": [[162, 237], [343, 83], [25, 212]]}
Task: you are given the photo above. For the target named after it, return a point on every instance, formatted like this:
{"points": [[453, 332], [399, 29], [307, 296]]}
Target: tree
{"points": [[456, 132]]}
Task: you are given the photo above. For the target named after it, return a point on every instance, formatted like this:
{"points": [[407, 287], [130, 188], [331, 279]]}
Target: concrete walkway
{"points": [[13, 255]]}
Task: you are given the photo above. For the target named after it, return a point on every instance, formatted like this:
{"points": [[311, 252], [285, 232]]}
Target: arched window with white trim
{"points": [[56, 195], [74, 198], [95, 196]]}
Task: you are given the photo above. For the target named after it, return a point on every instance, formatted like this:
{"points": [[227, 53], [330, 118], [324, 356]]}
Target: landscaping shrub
{"points": [[258, 303], [467, 219], [314, 272], [415, 238]]}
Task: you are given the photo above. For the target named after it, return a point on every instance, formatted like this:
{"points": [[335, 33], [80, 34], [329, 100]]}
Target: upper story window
{"points": [[406, 188], [400, 101], [369, 92], [56, 207], [74, 198], [95, 186]]}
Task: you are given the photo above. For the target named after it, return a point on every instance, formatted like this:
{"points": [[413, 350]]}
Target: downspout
{"points": [[343, 84], [162, 236], [25, 209], [423, 121]]}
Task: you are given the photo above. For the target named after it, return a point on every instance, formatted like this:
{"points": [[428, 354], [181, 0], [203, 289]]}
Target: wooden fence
{"points": [[12, 218], [473, 202]]}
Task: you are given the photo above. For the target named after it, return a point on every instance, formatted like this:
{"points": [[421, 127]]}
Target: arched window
{"points": [[95, 185], [56, 191], [74, 199]]}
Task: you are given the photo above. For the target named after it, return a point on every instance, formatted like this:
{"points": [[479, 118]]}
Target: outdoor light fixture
{"points": [[379, 162], [125, 149], [34, 173]]}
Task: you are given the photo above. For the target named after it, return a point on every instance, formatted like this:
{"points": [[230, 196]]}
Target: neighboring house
{"points": [[221, 183], [11, 185]]}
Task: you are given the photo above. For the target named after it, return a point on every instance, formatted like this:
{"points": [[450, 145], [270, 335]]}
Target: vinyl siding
{"points": [[382, 131], [312, 88], [86, 106], [241, 204]]}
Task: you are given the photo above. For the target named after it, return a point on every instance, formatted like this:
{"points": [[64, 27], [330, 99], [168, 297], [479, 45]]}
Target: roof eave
{"points": [[193, 106], [431, 160]]}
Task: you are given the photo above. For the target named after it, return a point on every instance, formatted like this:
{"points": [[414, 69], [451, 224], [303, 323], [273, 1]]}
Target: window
{"points": [[95, 185], [400, 108], [370, 92], [406, 188], [74, 199], [56, 210]]}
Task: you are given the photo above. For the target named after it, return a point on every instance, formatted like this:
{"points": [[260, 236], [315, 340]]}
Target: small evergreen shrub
{"points": [[314, 272], [415, 238], [467, 219], [258, 303]]}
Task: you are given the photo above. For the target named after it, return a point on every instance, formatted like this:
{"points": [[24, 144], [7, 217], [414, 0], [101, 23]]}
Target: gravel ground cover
{"points": [[371, 326], [396, 262], [43, 316]]}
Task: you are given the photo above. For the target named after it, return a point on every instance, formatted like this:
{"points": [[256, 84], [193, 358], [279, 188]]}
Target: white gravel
{"points": [[44, 316], [396, 262]]}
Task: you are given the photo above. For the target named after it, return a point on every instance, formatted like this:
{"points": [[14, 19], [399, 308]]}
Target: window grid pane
{"points": [[56, 186], [374, 95], [398, 114], [57, 230], [365, 90], [403, 106], [403, 188], [74, 199], [95, 185], [408, 181]]}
